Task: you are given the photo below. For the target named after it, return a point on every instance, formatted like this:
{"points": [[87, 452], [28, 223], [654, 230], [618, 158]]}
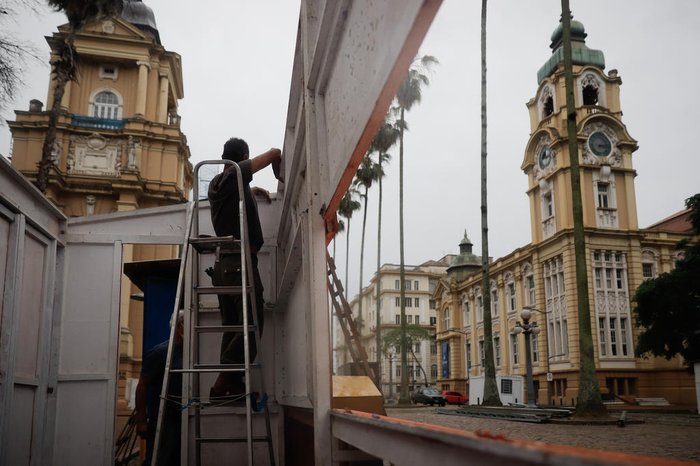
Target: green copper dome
{"points": [[580, 53], [466, 262]]}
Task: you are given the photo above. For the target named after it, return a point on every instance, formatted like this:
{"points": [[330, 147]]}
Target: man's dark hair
{"points": [[235, 149]]}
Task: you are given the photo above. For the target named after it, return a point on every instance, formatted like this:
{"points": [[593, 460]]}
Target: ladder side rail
{"points": [[193, 342], [362, 353], [246, 266], [191, 223], [344, 314], [173, 323], [346, 331], [335, 290], [357, 349]]}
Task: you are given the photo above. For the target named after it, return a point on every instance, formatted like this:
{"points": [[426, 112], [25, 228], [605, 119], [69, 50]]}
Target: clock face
{"points": [[545, 157], [599, 144]]}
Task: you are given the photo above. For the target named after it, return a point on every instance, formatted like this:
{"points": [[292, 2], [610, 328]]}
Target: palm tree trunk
{"points": [[491, 397], [590, 403], [403, 397], [362, 257], [420, 366], [377, 328], [62, 68], [347, 257]]}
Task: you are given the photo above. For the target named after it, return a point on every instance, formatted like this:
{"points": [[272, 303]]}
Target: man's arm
{"points": [[271, 157]]}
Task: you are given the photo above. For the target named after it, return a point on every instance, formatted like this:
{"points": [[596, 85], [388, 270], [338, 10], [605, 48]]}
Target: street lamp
{"points": [[527, 329]]}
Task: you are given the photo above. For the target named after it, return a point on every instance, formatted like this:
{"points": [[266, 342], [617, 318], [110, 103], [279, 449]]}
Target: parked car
{"points": [[455, 398], [428, 396]]}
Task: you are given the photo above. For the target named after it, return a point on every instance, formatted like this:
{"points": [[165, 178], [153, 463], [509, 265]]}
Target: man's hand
{"points": [[141, 426], [277, 168]]}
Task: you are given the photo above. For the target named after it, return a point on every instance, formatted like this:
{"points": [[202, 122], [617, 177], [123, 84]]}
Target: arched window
{"points": [[529, 284], [546, 101], [511, 301], [479, 305], [106, 105], [590, 95], [591, 89], [649, 267], [548, 108]]}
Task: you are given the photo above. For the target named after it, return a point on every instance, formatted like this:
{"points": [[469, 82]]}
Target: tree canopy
{"points": [[668, 306], [13, 52]]}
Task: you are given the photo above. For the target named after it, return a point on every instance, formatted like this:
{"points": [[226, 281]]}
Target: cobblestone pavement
{"points": [[666, 435]]}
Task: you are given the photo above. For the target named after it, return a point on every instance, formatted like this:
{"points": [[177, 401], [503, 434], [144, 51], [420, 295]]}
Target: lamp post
{"points": [[391, 375], [548, 357], [527, 329]]}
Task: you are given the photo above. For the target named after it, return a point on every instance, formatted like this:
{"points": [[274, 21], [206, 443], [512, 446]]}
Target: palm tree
{"points": [[348, 205], [413, 334], [367, 174], [79, 13], [590, 403], [408, 95], [383, 141], [341, 227], [491, 397]]}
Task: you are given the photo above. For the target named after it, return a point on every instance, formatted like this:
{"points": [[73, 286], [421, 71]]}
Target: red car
{"points": [[455, 398]]}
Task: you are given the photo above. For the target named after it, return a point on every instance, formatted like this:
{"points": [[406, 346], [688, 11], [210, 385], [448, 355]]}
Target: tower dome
{"points": [[466, 262], [578, 34], [141, 15], [580, 53]]}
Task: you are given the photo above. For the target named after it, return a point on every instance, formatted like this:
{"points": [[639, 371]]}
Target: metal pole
{"points": [[391, 376], [528, 364]]}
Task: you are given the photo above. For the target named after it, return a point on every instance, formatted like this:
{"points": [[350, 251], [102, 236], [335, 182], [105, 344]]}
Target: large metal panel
{"points": [[28, 347], [88, 355], [350, 59], [19, 437], [375, 33], [84, 421], [5, 220], [29, 320]]}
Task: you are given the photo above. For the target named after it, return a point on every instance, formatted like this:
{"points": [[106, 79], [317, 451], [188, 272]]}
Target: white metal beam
{"points": [[409, 443]]}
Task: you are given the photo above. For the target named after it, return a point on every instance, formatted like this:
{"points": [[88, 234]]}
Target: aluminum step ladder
{"points": [[347, 324], [192, 287]]}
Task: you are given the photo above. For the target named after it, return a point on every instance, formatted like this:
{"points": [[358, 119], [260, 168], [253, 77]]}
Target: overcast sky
{"points": [[237, 59]]}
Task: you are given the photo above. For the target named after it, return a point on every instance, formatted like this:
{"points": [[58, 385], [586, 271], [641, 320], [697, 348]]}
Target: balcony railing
{"points": [[94, 122]]}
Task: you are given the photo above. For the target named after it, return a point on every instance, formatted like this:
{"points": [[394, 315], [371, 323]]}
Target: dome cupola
{"points": [[580, 53], [141, 15]]}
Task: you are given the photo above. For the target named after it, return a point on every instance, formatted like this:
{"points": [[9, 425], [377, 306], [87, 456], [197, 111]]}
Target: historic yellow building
{"points": [[119, 145], [541, 275]]}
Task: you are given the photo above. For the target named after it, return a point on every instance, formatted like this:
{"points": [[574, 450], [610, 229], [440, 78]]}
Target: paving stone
{"points": [[661, 434]]}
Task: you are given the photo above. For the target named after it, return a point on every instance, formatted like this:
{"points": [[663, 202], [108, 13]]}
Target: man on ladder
{"points": [[224, 201], [147, 398]]}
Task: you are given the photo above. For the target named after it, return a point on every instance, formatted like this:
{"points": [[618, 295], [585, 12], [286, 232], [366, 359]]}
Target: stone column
{"points": [[162, 114], [142, 88], [65, 101], [52, 90]]}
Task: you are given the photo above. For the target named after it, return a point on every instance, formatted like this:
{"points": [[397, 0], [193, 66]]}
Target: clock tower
{"points": [[605, 146]]}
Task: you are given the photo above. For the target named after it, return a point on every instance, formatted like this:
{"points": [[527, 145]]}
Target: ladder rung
{"points": [[207, 370], [226, 367], [233, 290], [222, 328], [210, 243], [203, 307], [230, 439]]}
